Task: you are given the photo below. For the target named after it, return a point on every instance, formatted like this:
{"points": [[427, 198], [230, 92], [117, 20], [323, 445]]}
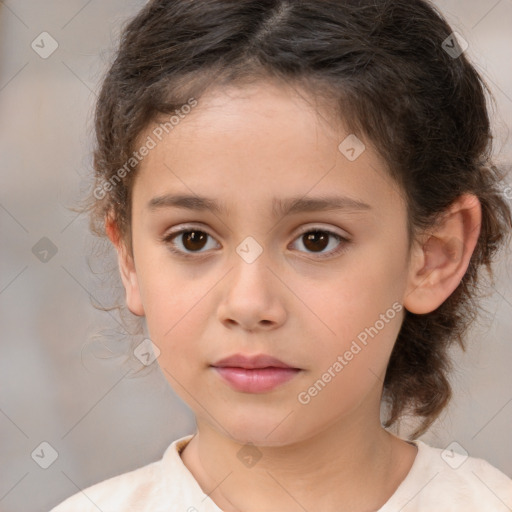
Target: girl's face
{"points": [[251, 278]]}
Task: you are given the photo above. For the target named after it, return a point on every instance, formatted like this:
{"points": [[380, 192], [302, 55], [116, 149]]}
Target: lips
{"points": [[251, 362], [254, 374]]}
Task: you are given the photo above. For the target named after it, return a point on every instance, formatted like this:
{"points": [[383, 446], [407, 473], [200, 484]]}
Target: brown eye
{"points": [[193, 240], [186, 242], [315, 240]]}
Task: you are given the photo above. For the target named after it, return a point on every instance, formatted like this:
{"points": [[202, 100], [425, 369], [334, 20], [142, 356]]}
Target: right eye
{"points": [[187, 239]]}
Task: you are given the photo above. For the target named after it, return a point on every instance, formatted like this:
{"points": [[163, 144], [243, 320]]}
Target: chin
{"points": [[263, 429]]}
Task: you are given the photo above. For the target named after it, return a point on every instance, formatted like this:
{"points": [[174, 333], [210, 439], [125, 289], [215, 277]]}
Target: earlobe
{"points": [[126, 269], [441, 257]]}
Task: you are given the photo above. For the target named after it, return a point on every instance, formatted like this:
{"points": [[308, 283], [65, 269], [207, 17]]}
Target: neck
{"points": [[341, 468]]}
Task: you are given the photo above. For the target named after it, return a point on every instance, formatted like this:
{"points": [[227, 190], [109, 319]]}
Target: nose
{"points": [[253, 297]]}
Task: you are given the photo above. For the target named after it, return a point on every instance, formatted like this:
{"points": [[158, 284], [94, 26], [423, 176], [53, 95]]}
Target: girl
{"points": [[301, 197]]}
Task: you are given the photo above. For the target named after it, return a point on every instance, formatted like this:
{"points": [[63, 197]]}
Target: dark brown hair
{"points": [[385, 68]]}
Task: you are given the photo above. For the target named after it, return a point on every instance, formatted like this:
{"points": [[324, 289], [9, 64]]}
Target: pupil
{"points": [[193, 238], [319, 236]]}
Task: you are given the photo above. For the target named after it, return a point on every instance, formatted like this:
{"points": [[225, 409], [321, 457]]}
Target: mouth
{"points": [[254, 374]]}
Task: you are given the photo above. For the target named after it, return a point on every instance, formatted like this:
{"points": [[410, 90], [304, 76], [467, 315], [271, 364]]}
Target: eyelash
{"points": [[167, 239]]}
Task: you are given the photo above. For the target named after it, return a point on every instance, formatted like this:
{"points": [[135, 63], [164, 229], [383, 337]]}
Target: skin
{"points": [[242, 148]]}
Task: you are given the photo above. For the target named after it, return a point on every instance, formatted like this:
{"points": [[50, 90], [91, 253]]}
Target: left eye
{"points": [[194, 240], [316, 240]]}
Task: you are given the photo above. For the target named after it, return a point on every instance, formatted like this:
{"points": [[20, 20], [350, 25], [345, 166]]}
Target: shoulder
{"points": [[142, 489], [446, 480]]}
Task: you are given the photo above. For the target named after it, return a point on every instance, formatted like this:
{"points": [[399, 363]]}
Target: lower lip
{"points": [[258, 380]]}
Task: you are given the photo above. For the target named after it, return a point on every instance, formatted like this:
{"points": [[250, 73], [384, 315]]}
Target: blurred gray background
{"points": [[56, 384]]}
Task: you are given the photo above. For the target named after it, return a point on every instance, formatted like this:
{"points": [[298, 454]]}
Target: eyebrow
{"points": [[280, 207]]}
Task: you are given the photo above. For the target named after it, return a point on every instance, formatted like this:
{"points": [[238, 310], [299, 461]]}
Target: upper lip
{"points": [[250, 362]]}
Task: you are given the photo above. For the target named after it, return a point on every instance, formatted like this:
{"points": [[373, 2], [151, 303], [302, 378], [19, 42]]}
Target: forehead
{"points": [[264, 142]]}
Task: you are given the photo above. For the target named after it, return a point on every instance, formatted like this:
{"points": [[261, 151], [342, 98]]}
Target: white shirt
{"points": [[433, 484]]}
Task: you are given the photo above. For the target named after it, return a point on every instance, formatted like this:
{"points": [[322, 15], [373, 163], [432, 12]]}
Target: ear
{"points": [[126, 268], [441, 257]]}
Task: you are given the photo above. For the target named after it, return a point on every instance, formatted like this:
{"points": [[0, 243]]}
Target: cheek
{"points": [[174, 310], [349, 369], [359, 322], [175, 326], [356, 304]]}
